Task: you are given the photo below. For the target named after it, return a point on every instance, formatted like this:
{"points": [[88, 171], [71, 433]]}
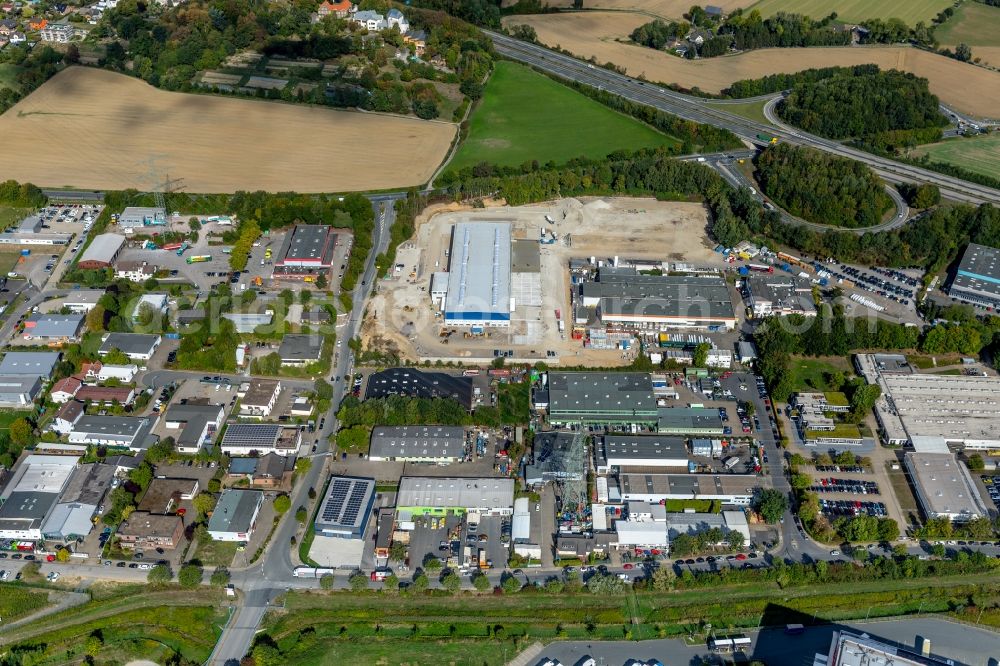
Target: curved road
{"points": [[701, 110]]}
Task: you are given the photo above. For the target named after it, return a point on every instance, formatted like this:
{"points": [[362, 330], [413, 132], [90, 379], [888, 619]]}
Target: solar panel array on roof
{"points": [[346, 507]]}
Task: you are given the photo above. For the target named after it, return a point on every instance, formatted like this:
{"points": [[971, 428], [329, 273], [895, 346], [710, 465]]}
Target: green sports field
{"points": [[974, 24], [525, 116], [852, 11], [980, 154]]}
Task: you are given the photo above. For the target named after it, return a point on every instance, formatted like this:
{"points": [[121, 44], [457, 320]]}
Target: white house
{"points": [[371, 20], [60, 33], [395, 18], [65, 390], [123, 373], [134, 271]]}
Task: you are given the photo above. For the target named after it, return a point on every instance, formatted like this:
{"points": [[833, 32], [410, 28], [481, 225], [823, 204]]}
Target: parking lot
{"points": [[451, 538]]}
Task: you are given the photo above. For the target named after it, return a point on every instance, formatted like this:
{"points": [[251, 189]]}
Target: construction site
{"points": [[476, 284]]}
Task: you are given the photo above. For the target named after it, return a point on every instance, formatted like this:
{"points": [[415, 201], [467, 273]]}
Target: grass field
{"points": [[973, 23], [16, 601], [750, 110], [810, 373], [117, 132], [852, 11], [603, 35], [980, 154], [434, 629], [8, 416], [212, 553], [148, 625], [9, 216], [668, 9], [525, 116]]}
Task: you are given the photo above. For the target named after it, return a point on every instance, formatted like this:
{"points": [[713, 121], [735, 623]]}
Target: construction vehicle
{"points": [[198, 258], [309, 278]]}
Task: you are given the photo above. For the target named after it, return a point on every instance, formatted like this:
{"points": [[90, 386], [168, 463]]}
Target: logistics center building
{"points": [[306, 251], [479, 291], [977, 280]]}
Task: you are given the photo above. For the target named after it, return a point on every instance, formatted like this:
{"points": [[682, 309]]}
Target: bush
{"points": [[159, 575], [326, 581], [219, 577], [190, 575], [358, 582]]}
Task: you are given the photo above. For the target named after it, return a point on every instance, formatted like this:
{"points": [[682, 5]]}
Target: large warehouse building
{"points": [[601, 398], [943, 485], [956, 408], [306, 251], [625, 297], [977, 280], [439, 445], [621, 452], [32, 494], [479, 280], [737, 489], [442, 495]]}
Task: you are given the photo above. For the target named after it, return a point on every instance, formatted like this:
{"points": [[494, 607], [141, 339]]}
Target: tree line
{"points": [[866, 103], [820, 187]]}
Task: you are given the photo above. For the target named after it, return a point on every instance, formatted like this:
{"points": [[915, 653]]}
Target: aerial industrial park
{"points": [[493, 334]]}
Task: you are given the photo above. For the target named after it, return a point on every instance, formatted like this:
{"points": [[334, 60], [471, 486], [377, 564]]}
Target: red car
{"points": [[628, 566], [741, 557]]}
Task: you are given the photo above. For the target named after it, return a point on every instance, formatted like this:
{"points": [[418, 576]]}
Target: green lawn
{"points": [[8, 416], [749, 110], [980, 154], [973, 23], [810, 373], [525, 116], [9, 216], [852, 11], [212, 553]]}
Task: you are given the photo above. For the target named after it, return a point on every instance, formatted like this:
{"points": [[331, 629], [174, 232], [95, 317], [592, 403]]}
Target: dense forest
{"points": [[820, 187], [777, 82], [751, 31], [866, 103], [34, 67]]}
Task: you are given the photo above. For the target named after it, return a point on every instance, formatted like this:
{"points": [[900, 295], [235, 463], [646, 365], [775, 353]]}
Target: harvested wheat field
{"points": [[668, 9], [96, 129], [589, 34]]}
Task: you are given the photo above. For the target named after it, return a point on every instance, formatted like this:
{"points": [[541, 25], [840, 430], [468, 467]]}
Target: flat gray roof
{"points": [[53, 325], [979, 271], [692, 484], [103, 248], [695, 418], [300, 348], [308, 245], [129, 343], [479, 272], [120, 426], [625, 291], [943, 486], [786, 293], [88, 483], [26, 510], [38, 364], [643, 447], [428, 442], [599, 395], [455, 493], [235, 511]]}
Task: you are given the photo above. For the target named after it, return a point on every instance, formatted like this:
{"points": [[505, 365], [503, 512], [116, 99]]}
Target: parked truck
{"points": [[184, 246], [482, 559], [767, 138], [731, 462], [198, 258], [761, 268]]}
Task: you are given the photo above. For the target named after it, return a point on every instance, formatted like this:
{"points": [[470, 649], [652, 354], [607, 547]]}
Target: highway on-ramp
{"points": [[702, 111]]}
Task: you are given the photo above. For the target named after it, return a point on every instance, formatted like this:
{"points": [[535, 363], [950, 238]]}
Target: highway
{"points": [[703, 111]]}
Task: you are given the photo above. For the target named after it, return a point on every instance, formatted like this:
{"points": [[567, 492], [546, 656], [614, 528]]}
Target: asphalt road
{"points": [[701, 111], [264, 581]]}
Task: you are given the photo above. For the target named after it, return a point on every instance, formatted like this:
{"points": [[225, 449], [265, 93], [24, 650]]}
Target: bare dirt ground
{"points": [[595, 33], [401, 319], [106, 130], [668, 9]]}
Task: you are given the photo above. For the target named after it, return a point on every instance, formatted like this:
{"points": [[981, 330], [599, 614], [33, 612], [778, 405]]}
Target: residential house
{"points": [[165, 494], [395, 19], [38, 23], [90, 371], [65, 390], [137, 346], [143, 530], [67, 417], [371, 20], [17, 38], [134, 271], [120, 431], [235, 515], [198, 419], [59, 33], [8, 27], [123, 373], [418, 40], [339, 9], [259, 399], [267, 471], [106, 395], [246, 439]]}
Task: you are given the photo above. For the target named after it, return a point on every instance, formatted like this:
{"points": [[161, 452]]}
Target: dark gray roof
{"points": [[26, 510], [417, 442], [642, 447], [598, 395], [626, 291], [54, 325], [979, 271], [526, 257], [251, 435], [129, 343], [421, 384], [194, 416], [29, 363], [88, 483], [696, 418], [310, 243], [300, 348]]}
